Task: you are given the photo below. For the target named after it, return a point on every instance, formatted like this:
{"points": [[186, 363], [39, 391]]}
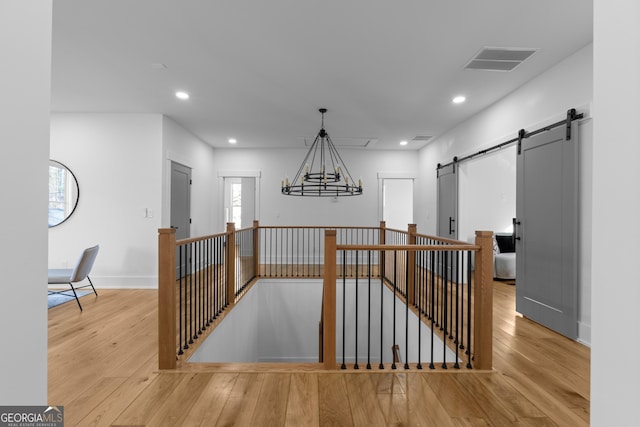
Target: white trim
{"points": [[397, 175], [239, 174]]}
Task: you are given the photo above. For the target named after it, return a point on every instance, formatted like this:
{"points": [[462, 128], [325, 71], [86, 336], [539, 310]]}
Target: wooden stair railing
{"points": [[482, 293], [482, 288]]}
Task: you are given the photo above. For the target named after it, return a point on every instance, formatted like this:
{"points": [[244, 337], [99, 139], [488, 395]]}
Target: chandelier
{"points": [[322, 173]]}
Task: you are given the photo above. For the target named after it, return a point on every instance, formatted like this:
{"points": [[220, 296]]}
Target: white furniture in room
{"points": [[504, 256]]}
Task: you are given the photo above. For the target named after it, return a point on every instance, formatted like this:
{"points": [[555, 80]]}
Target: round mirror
{"points": [[63, 193]]}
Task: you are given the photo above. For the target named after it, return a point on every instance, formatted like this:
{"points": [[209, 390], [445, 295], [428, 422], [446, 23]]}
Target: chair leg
{"points": [[76, 295], [94, 289]]}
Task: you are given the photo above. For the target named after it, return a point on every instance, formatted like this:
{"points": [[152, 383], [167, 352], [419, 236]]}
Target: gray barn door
{"points": [[448, 202], [448, 215], [547, 230], [181, 208]]}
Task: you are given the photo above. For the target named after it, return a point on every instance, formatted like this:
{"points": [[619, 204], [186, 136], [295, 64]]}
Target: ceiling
{"points": [[258, 71]]}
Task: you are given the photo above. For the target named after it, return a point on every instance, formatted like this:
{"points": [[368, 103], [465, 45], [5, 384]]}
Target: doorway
{"points": [[397, 202], [239, 200]]}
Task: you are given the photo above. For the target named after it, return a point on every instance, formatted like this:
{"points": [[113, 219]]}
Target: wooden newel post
{"points": [[166, 298], [231, 263], [483, 301], [329, 301], [411, 265], [256, 248]]}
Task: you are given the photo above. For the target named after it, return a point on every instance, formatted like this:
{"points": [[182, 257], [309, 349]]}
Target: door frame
{"points": [[393, 175], [238, 174]]}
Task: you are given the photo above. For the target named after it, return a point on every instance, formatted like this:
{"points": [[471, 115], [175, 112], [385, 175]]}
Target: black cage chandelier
{"points": [[322, 172]]}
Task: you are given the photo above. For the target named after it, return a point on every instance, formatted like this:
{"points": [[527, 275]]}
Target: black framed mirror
{"points": [[64, 193]]}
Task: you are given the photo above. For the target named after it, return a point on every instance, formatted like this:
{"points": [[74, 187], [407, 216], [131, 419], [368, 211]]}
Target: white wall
{"points": [[487, 193], [117, 161], [487, 184], [181, 146], [616, 209], [276, 209], [541, 101], [25, 48]]}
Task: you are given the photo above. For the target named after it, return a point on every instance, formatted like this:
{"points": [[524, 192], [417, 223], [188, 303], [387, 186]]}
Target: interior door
{"points": [[448, 216], [547, 229], [448, 202], [181, 208]]}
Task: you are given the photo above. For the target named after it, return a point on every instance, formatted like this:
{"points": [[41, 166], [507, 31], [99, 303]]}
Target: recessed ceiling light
{"points": [[403, 142], [232, 141], [459, 99], [182, 95]]}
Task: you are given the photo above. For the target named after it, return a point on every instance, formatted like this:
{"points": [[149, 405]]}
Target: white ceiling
{"points": [[259, 70]]}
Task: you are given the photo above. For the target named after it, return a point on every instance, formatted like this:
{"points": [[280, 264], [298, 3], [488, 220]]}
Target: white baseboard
{"points": [[287, 359], [584, 334], [125, 282]]}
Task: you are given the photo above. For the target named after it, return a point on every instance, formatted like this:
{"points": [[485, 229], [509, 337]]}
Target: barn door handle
{"points": [[515, 234], [451, 221]]}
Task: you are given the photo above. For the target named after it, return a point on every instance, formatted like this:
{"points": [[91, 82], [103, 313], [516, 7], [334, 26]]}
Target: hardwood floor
{"points": [[103, 369]]}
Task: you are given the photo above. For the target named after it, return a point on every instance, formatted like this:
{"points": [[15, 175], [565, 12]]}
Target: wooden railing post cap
{"points": [[166, 230], [484, 233], [330, 232]]}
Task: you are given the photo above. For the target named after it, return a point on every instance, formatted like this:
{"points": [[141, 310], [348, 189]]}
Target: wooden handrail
{"points": [[183, 242], [166, 298], [329, 227], [441, 239], [412, 248]]}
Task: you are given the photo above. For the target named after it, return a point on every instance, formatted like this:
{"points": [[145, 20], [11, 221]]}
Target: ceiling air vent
{"points": [[499, 58], [422, 138], [345, 141]]}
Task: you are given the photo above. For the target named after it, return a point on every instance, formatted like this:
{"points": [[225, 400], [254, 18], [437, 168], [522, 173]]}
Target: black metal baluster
{"points": [[433, 278], [199, 283], [344, 302], [462, 276], [381, 366], [194, 288], [445, 283], [436, 305], [406, 313], [180, 307], [190, 299], [453, 278], [395, 291], [469, 285], [457, 263], [420, 256], [209, 282], [355, 366], [369, 310]]}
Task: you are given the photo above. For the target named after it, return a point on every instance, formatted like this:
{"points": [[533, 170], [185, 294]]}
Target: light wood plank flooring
{"points": [[102, 368]]}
